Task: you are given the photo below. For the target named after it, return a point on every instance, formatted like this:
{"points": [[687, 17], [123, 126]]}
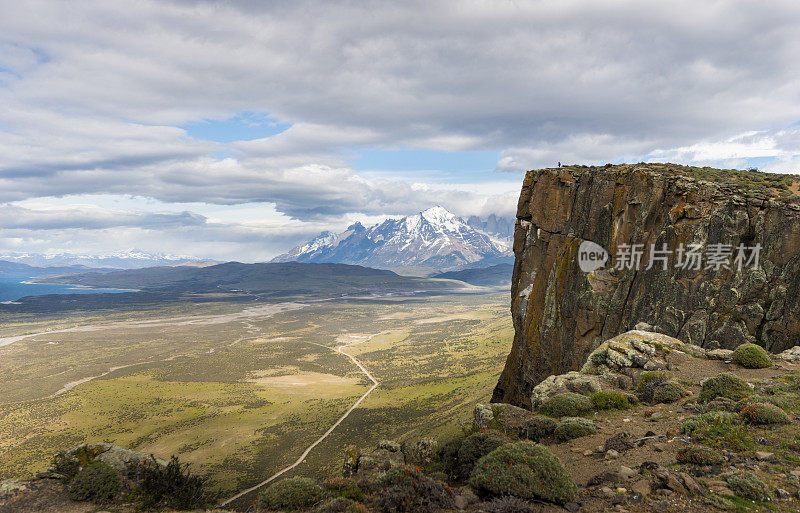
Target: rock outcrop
{"points": [[561, 313]]}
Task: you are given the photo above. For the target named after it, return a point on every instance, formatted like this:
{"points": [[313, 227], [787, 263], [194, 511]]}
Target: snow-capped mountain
{"points": [[434, 238], [132, 259]]}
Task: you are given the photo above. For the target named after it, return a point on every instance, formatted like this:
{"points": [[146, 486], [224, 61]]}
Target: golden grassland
{"points": [[241, 399]]}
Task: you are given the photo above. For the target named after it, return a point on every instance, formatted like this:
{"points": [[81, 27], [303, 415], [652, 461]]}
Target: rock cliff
{"points": [[561, 313]]}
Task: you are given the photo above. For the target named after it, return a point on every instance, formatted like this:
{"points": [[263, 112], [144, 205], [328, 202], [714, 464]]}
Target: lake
{"points": [[12, 287]]}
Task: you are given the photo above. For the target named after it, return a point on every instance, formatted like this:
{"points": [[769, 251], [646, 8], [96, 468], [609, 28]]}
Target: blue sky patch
{"points": [[245, 126]]}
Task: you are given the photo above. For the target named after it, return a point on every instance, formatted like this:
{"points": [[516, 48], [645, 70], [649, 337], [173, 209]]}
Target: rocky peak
{"points": [[561, 312]]}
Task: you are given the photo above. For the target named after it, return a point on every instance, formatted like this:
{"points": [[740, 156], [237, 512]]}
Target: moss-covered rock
{"points": [[525, 470], [568, 404], [752, 356], [763, 414], [574, 427], [699, 455], [726, 385], [293, 493]]}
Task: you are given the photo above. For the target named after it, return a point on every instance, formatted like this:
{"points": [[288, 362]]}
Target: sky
{"points": [[234, 130]]}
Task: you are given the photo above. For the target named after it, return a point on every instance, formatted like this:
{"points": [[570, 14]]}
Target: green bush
{"points": [[668, 392], [525, 470], [344, 487], [699, 455], [293, 493], [568, 404], [574, 427], [648, 382], [648, 376], [752, 356], [719, 429], [540, 427], [725, 385], [611, 401], [97, 482], [747, 486], [337, 505], [721, 404], [421, 452], [65, 465], [405, 489], [447, 457], [478, 445], [764, 414], [171, 485]]}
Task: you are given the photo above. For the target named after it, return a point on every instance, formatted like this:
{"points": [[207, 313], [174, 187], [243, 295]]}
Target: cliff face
{"points": [[561, 313]]}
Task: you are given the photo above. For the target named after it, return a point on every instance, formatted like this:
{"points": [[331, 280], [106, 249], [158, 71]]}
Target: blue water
{"points": [[12, 288]]}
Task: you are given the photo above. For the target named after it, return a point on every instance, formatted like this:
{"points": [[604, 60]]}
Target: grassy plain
{"points": [[241, 396]]}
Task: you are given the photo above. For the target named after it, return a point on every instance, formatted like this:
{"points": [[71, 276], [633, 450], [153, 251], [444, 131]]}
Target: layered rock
{"points": [[561, 313]]}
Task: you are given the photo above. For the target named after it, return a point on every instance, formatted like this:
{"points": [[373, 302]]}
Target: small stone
{"points": [[621, 490], [795, 473], [588, 452], [626, 420], [460, 502], [607, 492], [782, 494], [572, 507], [660, 447], [641, 487], [765, 456], [626, 472], [611, 454]]}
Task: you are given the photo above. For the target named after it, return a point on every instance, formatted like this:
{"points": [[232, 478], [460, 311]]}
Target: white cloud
{"points": [[92, 95]]}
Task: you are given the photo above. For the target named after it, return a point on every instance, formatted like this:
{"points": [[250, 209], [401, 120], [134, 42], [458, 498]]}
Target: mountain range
{"points": [[132, 259], [434, 239]]}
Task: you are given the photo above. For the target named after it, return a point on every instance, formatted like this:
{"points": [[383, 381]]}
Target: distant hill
{"points": [[17, 268], [495, 275], [132, 259], [435, 239], [274, 278]]}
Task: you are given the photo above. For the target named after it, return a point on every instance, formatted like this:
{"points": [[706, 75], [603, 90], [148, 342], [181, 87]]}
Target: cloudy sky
{"points": [[233, 130]]}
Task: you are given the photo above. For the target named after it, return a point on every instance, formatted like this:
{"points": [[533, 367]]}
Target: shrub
{"points": [[293, 493], [337, 505], [540, 427], [407, 489], [96, 482], [699, 455], [668, 392], [725, 385], [721, 404], [447, 458], [752, 356], [574, 427], [747, 486], [171, 485], [344, 487], [525, 470], [648, 376], [568, 404], [421, 452], [611, 401], [509, 504], [65, 465], [764, 414], [719, 429], [648, 382], [478, 445]]}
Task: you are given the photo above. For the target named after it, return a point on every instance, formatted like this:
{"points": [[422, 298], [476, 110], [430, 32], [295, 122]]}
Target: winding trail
{"points": [[339, 349]]}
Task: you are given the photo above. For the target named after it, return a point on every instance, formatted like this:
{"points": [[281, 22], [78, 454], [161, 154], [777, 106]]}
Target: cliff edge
{"points": [[723, 245]]}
